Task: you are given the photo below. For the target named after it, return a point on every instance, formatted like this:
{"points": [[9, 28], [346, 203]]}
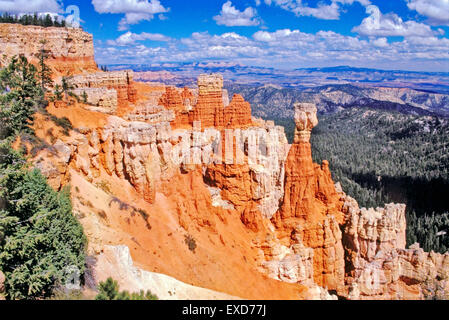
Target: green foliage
{"points": [[109, 290], [430, 231], [84, 97], [67, 87], [34, 20], [58, 92], [44, 70], [67, 295], [63, 122], [381, 156], [21, 97], [39, 236]]}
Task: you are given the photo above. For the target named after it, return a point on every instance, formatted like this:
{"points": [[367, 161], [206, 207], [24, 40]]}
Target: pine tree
{"points": [[39, 236], [67, 87], [84, 97], [58, 92], [48, 22], [35, 20], [44, 70], [108, 290], [22, 97]]}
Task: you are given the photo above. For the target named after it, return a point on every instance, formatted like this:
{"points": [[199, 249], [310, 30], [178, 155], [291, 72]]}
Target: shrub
{"points": [[109, 290], [190, 242]]}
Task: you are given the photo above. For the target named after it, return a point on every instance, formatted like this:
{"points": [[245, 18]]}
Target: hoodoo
{"points": [[227, 206], [310, 214]]}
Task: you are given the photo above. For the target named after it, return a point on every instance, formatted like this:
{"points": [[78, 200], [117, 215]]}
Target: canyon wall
{"points": [[305, 230], [70, 50], [323, 237], [119, 81], [199, 190]]}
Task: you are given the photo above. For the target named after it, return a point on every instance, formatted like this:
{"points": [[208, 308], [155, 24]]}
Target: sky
{"points": [[284, 34]]}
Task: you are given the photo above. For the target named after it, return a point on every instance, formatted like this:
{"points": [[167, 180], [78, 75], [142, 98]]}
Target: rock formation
{"points": [[197, 189], [237, 113], [120, 81], [310, 214], [209, 107], [99, 99], [307, 231], [378, 266], [70, 50]]}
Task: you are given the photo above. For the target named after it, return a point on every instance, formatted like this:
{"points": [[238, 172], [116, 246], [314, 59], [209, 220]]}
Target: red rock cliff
{"points": [[71, 50]]}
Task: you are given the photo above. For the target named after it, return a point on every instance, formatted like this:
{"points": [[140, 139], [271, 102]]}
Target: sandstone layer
{"points": [[265, 203], [70, 50], [202, 192]]}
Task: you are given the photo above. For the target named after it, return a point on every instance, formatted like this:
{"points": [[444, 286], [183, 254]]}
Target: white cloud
{"points": [[385, 25], [230, 16], [436, 10], [325, 11], [130, 38], [380, 42], [27, 6], [287, 48], [134, 10]]}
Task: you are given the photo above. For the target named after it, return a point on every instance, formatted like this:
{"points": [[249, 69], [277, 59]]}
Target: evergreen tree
{"points": [[35, 20], [22, 98], [58, 92], [48, 22], [39, 236], [67, 87], [44, 70], [84, 97]]}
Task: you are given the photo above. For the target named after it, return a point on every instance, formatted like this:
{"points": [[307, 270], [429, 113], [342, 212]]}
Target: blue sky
{"points": [[398, 34]]}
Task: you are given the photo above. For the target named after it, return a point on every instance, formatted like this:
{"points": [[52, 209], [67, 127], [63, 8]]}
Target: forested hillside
{"points": [[382, 156], [274, 101]]}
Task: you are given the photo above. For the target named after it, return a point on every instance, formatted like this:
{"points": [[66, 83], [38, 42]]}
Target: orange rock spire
{"points": [[311, 208]]}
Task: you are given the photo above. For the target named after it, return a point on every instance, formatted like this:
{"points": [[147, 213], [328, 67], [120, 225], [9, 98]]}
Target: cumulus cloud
{"points": [[26, 6], [134, 10], [324, 11], [230, 16], [130, 38], [285, 47], [436, 10], [380, 42], [385, 25]]}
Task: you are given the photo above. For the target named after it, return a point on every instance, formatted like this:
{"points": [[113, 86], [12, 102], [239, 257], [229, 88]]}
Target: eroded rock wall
{"points": [[120, 81], [70, 50], [305, 230], [378, 265]]}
